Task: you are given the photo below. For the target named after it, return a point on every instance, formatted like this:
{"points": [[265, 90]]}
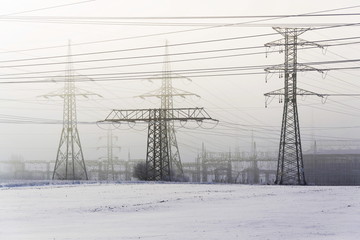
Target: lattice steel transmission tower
{"points": [[70, 164], [166, 94], [158, 166], [290, 168], [109, 159]]}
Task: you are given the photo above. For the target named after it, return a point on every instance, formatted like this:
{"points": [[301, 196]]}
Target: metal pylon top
{"points": [[290, 168]]}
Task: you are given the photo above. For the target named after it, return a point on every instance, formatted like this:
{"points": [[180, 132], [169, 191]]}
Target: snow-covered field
{"points": [[179, 211]]}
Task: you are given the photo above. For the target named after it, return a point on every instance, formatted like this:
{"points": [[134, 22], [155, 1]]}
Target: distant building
{"points": [[322, 167], [332, 169]]}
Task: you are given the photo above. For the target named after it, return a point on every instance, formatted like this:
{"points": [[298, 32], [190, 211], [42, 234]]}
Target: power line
{"points": [[173, 32], [191, 71], [105, 20], [140, 48], [127, 78], [45, 8], [138, 64], [189, 17], [175, 45], [127, 58], [170, 24], [336, 26]]}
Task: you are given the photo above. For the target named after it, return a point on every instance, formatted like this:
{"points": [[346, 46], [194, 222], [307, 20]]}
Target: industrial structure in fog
{"points": [[158, 165], [335, 163], [163, 162], [109, 159], [322, 168], [232, 167], [209, 167], [69, 164], [166, 93], [290, 167]]}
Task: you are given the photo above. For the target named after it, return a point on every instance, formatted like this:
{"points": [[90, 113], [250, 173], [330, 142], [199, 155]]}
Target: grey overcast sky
{"points": [[35, 35]]}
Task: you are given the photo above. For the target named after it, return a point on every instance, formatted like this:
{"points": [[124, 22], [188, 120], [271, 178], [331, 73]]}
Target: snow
{"points": [[178, 211]]}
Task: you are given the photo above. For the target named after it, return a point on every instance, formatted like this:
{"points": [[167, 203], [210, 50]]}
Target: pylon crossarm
{"points": [[57, 93], [302, 42], [278, 92], [275, 43], [305, 68], [85, 93], [299, 91], [274, 68], [171, 75], [269, 97], [77, 92], [154, 93], [303, 92], [182, 93], [290, 31], [146, 115], [299, 67], [174, 93]]}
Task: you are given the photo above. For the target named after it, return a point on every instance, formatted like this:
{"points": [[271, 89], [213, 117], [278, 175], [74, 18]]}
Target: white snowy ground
{"points": [[179, 211]]}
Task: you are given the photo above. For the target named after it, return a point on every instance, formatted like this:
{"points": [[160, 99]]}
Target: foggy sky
{"points": [[236, 101]]}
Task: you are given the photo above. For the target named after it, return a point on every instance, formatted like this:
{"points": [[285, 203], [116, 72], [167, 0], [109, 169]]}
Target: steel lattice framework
{"points": [[109, 159], [158, 161], [167, 103], [110, 155], [166, 94], [158, 165], [70, 164], [290, 168]]}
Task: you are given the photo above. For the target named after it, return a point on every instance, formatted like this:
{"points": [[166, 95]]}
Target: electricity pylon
{"points": [[253, 158], [70, 164], [109, 160], [290, 167], [158, 167], [166, 94]]}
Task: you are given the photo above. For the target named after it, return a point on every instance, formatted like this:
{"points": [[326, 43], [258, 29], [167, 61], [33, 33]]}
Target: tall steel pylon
{"points": [[167, 139], [290, 167], [109, 159], [157, 156], [70, 163], [167, 103]]}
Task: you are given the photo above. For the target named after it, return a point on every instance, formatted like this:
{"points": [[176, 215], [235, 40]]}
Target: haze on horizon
{"points": [[36, 35]]}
